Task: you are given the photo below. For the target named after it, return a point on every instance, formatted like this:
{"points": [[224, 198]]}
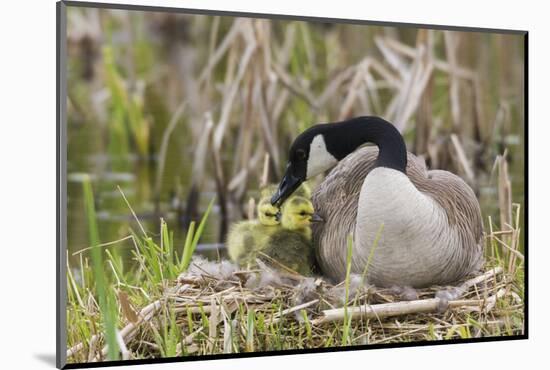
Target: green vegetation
{"points": [[156, 313], [93, 311], [102, 286]]}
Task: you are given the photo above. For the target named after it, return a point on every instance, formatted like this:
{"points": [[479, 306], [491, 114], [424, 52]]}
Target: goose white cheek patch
{"points": [[319, 157]]}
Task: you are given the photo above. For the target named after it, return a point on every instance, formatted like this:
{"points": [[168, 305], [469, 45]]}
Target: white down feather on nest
{"points": [[305, 289]]}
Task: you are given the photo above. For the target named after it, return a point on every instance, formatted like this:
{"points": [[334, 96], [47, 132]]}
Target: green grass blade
{"points": [[250, 331], [187, 248], [106, 301], [192, 238], [347, 318]]}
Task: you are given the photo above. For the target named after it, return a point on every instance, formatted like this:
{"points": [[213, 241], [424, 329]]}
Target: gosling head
{"points": [[308, 157], [297, 213], [268, 214]]}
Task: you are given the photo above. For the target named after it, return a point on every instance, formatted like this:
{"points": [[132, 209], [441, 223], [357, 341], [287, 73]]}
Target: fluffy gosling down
{"points": [[282, 234], [247, 238], [291, 244]]}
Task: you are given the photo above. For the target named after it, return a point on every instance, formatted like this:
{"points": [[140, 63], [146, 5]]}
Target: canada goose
{"points": [[429, 221]]}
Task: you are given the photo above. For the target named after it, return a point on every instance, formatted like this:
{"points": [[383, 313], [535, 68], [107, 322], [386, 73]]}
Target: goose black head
{"points": [[320, 147], [308, 156]]}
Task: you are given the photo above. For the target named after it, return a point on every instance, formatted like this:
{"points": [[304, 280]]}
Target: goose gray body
{"points": [[432, 229]]}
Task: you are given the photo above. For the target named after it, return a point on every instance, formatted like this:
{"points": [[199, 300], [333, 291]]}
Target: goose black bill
{"points": [[287, 186]]}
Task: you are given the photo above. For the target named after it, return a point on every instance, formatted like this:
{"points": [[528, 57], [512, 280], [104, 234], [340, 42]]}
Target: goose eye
{"points": [[301, 154], [303, 213]]}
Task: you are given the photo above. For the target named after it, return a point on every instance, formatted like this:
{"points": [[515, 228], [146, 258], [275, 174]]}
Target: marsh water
{"points": [[134, 177]]}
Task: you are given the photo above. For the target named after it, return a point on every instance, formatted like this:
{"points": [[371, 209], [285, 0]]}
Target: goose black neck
{"points": [[345, 137]]}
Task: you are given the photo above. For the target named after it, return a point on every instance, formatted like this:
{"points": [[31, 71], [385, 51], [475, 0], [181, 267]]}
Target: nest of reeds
{"points": [[217, 308]]}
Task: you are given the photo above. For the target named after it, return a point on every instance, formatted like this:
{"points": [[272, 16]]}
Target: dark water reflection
{"points": [[136, 179]]}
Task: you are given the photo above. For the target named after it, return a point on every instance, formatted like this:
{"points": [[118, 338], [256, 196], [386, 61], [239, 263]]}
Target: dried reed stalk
{"points": [[380, 311], [504, 194], [164, 147], [462, 159], [127, 332]]}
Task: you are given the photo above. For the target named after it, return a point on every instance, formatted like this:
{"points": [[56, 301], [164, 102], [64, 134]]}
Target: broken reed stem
{"points": [[91, 351], [379, 311], [126, 334], [145, 315], [481, 278], [276, 318], [122, 345], [516, 232], [78, 347], [504, 199], [462, 159], [213, 322], [514, 243]]}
